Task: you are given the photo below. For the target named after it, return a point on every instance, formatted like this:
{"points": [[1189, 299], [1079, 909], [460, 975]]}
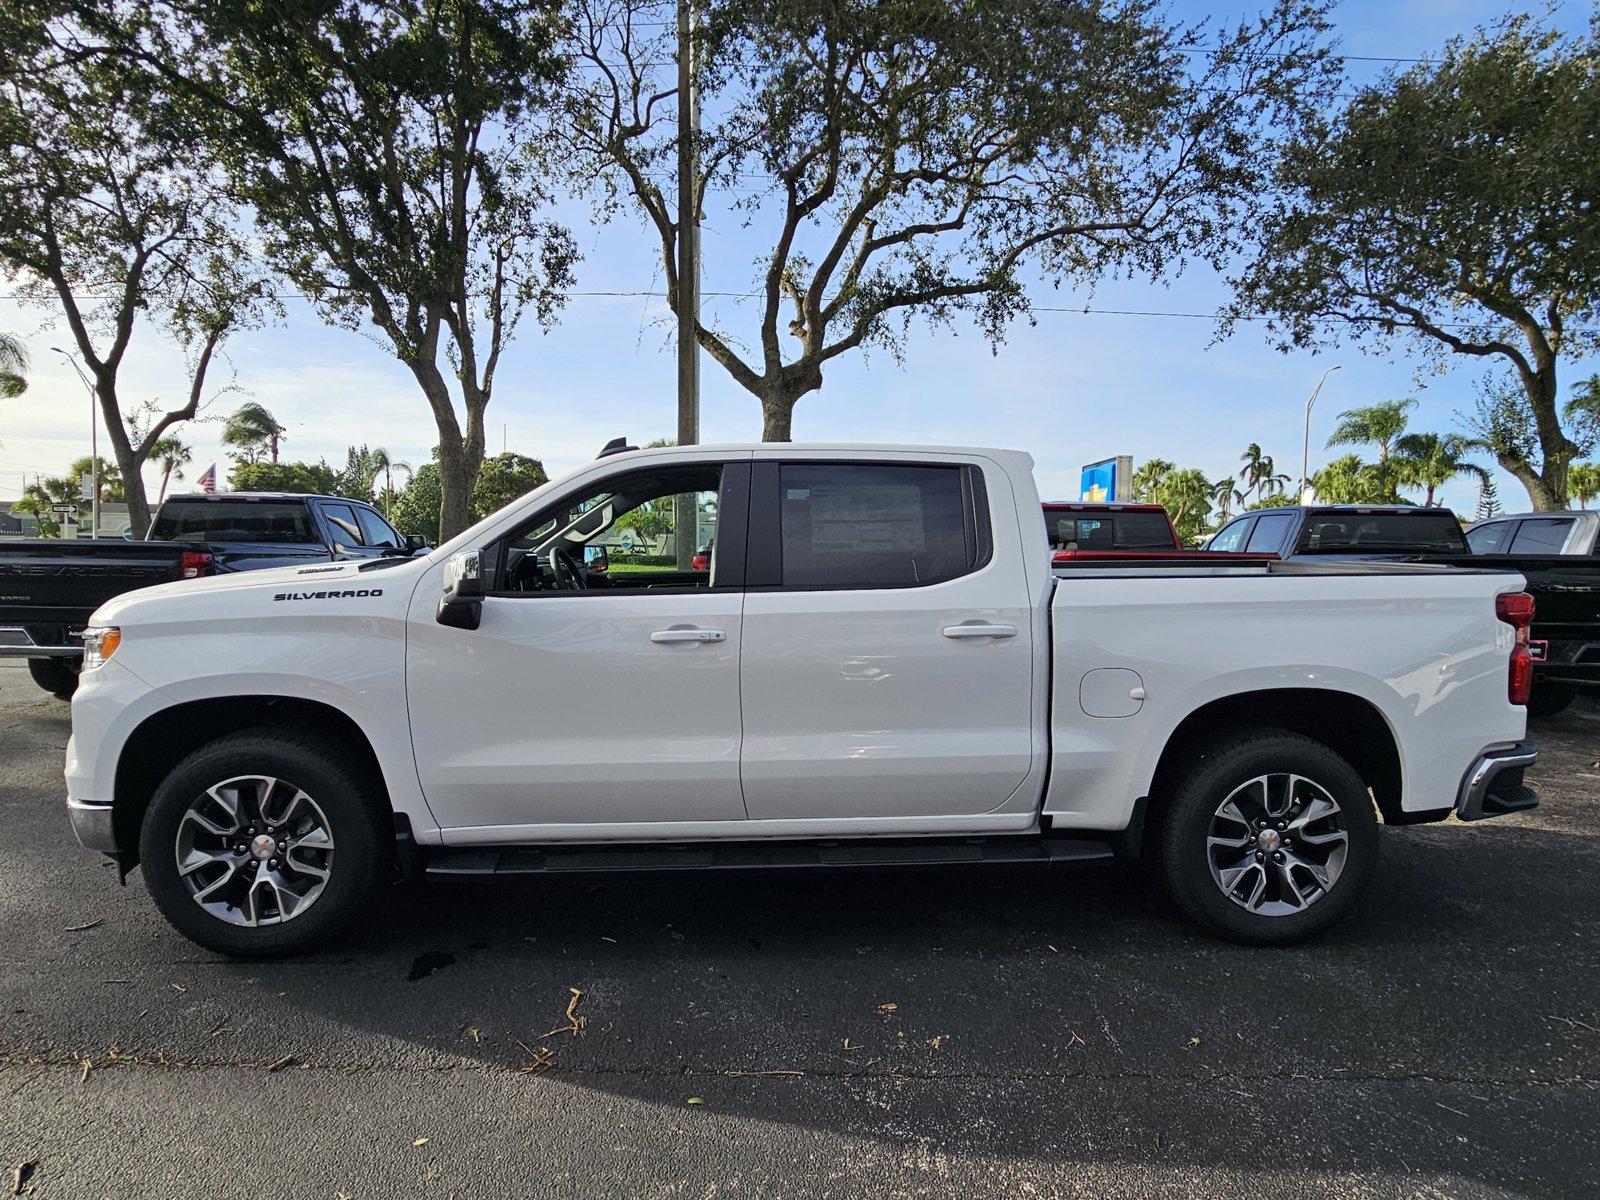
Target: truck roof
{"points": [[212, 497], [1102, 506]]}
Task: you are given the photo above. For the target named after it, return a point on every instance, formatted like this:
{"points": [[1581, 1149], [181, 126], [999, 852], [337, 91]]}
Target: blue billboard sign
{"points": [[1110, 479]]}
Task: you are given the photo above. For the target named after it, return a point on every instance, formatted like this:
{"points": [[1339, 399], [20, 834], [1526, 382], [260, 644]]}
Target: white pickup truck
{"points": [[880, 666]]}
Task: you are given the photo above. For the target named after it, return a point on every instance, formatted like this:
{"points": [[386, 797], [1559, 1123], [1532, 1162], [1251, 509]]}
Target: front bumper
{"points": [[91, 825], [1493, 785]]}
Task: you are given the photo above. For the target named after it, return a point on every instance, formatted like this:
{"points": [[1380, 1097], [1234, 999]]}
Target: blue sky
{"points": [[1071, 389]]}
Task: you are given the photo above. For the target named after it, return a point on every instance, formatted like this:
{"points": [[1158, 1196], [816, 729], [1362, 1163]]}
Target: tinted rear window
{"points": [[1544, 535], [1382, 533], [233, 521], [872, 525], [1108, 531]]}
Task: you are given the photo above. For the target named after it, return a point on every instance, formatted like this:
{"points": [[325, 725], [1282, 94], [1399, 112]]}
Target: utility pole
{"points": [[1305, 449], [94, 443], [685, 518]]}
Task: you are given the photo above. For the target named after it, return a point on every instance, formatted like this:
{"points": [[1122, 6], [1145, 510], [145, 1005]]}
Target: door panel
{"points": [[575, 704], [881, 702], [561, 708]]}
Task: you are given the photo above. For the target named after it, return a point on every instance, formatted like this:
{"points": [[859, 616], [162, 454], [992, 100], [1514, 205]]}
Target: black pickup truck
{"points": [[49, 587], [1565, 587]]}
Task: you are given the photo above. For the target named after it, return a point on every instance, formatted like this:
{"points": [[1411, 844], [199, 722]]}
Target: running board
{"points": [[865, 853]]}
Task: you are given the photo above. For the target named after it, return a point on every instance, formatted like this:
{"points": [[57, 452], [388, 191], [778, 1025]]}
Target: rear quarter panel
{"points": [[1425, 650]]}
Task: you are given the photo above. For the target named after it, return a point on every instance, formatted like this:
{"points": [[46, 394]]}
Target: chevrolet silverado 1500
{"points": [[880, 667]]}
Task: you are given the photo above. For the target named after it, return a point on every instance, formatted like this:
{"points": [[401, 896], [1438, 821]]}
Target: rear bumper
{"points": [[91, 825], [1493, 785], [1564, 659], [18, 641]]}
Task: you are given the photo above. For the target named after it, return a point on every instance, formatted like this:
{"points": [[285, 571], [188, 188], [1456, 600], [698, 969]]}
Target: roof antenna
{"points": [[615, 446]]}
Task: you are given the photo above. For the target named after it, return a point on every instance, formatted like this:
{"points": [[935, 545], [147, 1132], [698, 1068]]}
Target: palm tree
{"points": [[1148, 478], [252, 429], [1250, 473], [1346, 480], [379, 459], [1378, 424], [1583, 482], [13, 367], [1225, 495], [1429, 460], [172, 456]]}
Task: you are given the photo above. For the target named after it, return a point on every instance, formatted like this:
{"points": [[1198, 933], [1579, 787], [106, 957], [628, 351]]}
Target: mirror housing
{"points": [[596, 559], [461, 606], [416, 542]]}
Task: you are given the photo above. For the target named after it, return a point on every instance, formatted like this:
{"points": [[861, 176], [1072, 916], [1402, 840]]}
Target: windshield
{"points": [[233, 521], [1108, 530], [1435, 532]]}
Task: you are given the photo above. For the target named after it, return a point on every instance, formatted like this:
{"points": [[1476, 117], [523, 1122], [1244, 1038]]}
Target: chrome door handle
{"points": [[662, 636], [980, 631]]}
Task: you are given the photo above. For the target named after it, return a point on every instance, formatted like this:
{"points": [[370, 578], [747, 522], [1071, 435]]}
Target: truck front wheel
{"points": [[264, 843], [1267, 837], [58, 676]]}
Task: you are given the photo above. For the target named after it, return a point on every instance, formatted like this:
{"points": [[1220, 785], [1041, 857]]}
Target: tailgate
{"points": [[63, 580]]}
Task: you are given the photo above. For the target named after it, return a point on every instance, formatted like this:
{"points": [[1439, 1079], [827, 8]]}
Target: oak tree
{"points": [[918, 159], [1450, 207]]}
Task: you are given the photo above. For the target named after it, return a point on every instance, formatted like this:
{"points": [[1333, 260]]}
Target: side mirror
{"points": [[461, 606], [416, 541], [596, 559]]}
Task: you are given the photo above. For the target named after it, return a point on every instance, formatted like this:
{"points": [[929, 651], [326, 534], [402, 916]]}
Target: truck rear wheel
{"points": [[264, 843], [58, 676], [1268, 837]]}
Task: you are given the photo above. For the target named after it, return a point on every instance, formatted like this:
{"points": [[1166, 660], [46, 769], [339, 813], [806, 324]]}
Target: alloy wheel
{"points": [[1277, 844], [254, 850]]}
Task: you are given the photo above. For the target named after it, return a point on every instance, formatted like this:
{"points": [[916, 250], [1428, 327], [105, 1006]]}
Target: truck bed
{"points": [[1137, 648]]}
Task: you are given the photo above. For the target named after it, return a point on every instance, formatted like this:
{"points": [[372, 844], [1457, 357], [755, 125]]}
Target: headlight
{"points": [[99, 645]]}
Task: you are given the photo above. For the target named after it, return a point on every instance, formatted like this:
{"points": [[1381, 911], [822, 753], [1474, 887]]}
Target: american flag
{"points": [[208, 481]]}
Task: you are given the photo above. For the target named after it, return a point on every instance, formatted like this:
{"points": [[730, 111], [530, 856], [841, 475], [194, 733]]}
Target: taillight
{"points": [[196, 563], [1516, 610]]}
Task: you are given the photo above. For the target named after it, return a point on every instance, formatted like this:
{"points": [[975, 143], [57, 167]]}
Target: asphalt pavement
{"points": [[1008, 1032]]}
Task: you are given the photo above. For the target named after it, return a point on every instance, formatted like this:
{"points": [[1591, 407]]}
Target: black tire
{"points": [[1548, 699], [357, 815], [58, 676], [1224, 763]]}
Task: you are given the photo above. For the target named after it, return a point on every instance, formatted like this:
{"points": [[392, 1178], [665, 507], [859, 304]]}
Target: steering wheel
{"points": [[564, 570]]}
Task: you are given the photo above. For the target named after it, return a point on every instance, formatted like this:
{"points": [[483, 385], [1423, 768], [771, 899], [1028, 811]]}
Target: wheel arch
{"points": [[1351, 726], [164, 738]]}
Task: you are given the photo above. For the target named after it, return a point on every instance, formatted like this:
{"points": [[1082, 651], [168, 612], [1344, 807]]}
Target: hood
{"points": [[319, 576]]}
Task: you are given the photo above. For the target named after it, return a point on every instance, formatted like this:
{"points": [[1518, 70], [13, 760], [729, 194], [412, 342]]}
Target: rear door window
{"points": [[234, 521], [873, 525], [1269, 532], [1542, 535]]}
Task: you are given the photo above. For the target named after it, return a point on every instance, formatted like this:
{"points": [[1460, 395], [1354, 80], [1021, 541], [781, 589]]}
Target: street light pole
{"points": [[685, 519], [1305, 450], [94, 444]]}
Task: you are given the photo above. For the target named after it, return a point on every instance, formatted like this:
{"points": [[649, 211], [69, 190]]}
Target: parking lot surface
{"points": [[1001, 1032]]}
